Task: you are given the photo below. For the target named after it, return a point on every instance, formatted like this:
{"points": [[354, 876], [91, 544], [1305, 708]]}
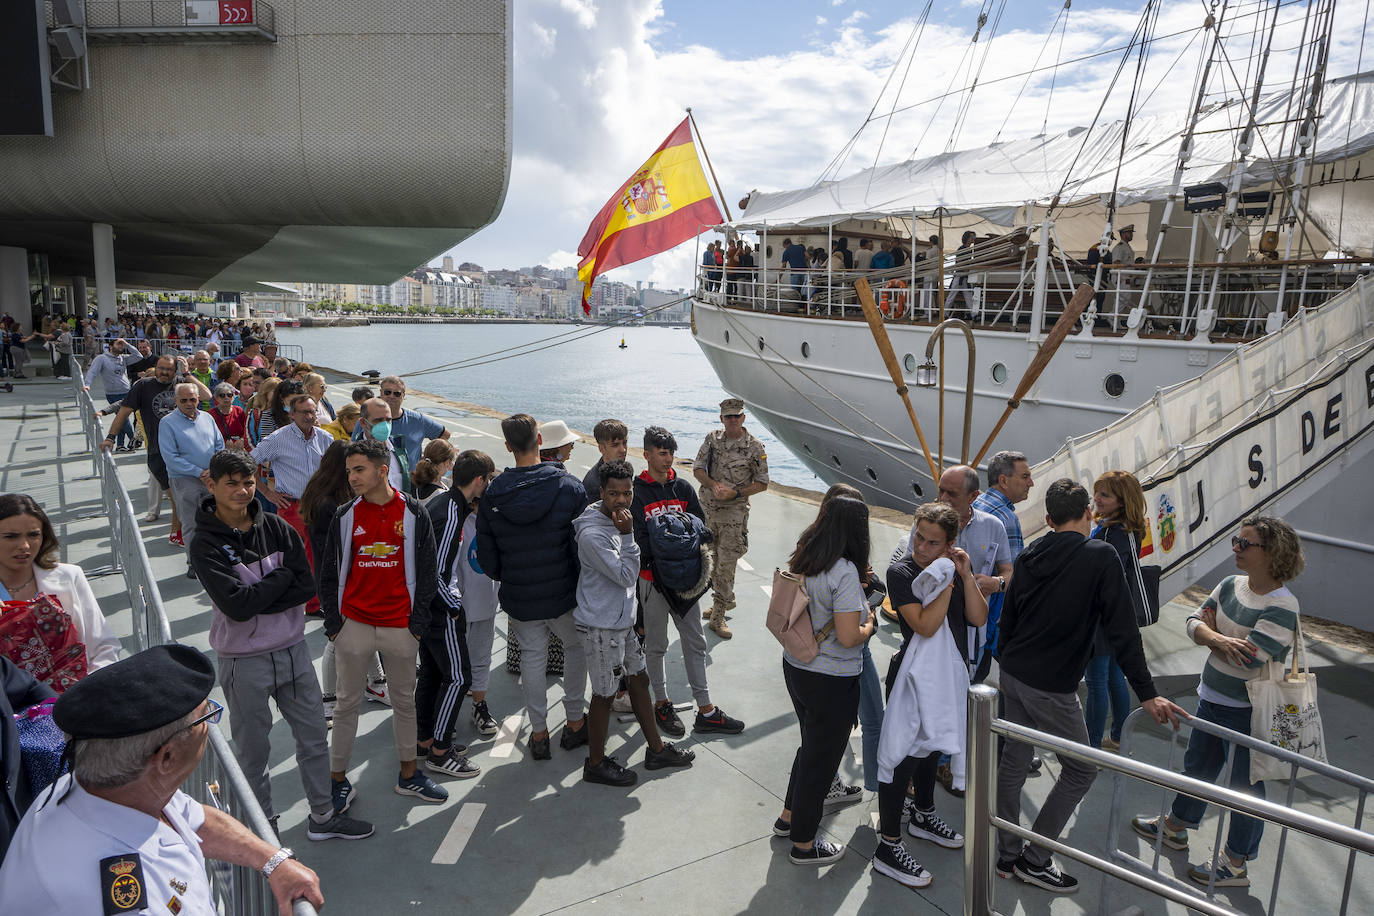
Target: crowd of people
{"points": [[370, 520]]}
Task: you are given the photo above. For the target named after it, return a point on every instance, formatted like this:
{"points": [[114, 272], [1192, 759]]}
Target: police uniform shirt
{"points": [[736, 463], [89, 857], [1123, 255]]}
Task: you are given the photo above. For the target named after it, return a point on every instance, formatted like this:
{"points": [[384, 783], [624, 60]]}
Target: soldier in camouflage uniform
{"points": [[731, 466]]}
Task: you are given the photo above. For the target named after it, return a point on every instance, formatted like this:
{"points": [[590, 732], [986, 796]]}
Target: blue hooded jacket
{"points": [[525, 539]]}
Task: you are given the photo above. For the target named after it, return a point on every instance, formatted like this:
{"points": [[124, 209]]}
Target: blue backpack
{"points": [[680, 564]]}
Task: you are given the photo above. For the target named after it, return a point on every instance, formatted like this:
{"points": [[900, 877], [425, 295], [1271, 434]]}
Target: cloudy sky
{"points": [[780, 88]]}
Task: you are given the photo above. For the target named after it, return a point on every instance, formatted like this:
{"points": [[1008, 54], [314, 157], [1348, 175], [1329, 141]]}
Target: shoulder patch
{"points": [[121, 883]]}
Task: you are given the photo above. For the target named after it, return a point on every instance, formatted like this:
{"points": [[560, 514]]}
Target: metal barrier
{"points": [[981, 823], [217, 780]]}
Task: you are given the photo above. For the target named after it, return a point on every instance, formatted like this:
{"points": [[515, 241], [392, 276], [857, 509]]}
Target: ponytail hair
{"points": [[437, 453]]}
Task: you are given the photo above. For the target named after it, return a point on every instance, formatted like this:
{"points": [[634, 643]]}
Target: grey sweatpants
{"points": [[480, 636], [534, 655], [187, 494], [1059, 714], [693, 639], [287, 677]]}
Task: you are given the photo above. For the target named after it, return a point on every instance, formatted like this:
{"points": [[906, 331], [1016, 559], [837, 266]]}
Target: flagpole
{"points": [[710, 167]]}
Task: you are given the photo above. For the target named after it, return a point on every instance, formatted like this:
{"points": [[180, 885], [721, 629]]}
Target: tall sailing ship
{"points": [[1253, 217]]}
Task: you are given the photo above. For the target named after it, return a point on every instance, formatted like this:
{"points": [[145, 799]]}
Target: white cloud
{"points": [[821, 20], [597, 85]]}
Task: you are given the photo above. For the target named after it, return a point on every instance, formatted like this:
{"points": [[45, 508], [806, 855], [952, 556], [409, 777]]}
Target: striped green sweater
{"points": [[1269, 621]]}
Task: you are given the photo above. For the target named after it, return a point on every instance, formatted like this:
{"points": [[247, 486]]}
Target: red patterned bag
{"points": [[39, 636]]}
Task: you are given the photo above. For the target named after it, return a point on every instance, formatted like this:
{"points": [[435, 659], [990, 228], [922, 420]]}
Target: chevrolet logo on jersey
{"points": [[377, 549]]}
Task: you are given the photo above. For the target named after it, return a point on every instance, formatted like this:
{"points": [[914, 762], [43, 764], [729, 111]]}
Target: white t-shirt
{"points": [[478, 591]]}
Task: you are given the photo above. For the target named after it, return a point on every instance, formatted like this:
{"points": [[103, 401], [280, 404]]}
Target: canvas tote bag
{"points": [[1284, 713]]}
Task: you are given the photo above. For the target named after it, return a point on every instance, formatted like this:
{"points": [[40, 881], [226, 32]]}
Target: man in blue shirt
{"points": [[794, 256], [189, 438], [409, 425]]}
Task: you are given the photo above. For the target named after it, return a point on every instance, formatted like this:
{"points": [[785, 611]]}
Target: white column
{"points": [[102, 242], [14, 286]]}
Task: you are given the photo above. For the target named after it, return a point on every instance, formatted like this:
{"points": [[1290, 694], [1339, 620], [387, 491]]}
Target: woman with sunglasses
{"points": [[1249, 620], [228, 416]]}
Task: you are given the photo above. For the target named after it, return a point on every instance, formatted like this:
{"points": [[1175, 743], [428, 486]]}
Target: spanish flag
{"points": [[666, 202]]}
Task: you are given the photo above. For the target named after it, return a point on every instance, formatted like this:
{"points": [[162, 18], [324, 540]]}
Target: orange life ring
{"points": [[888, 308]]}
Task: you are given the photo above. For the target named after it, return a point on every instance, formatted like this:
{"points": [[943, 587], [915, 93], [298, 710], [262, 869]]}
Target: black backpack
{"points": [[681, 564]]}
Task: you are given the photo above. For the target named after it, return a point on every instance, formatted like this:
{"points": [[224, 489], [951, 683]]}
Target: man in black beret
{"points": [[127, 837]]}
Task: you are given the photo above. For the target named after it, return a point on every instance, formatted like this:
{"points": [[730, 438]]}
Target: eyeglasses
{"points": [[1241, 544], [212, 717], [732, 416], [392, 393]]}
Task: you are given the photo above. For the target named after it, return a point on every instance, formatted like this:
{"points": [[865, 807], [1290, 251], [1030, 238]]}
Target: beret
{"points": [[137, 694]]}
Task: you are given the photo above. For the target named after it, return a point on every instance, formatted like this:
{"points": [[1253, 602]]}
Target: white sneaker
{"points": [[621, 704], [376, 692], [152, 516]]}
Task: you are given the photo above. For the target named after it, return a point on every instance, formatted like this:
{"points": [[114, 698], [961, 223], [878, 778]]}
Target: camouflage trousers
{"points": [[730, 530]]}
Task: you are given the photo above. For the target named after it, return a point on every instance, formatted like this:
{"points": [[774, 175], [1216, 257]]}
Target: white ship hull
{"points": [[882, 458]]}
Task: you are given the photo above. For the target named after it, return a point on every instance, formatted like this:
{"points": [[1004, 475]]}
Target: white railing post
{"points": [[978, 801]]}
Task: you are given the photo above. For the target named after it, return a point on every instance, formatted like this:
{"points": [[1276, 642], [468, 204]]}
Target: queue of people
{"points": [[407, 549]]}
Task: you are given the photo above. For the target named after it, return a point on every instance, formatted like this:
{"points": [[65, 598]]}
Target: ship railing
{"points": [[218, 780], [985, 730], [1232, 301]]}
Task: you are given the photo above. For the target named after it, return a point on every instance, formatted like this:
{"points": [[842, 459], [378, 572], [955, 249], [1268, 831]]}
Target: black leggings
{"points": [[827, 706], [891, 795]]}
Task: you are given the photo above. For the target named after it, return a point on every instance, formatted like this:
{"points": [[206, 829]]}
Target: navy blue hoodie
{"points": [[525, 539]]}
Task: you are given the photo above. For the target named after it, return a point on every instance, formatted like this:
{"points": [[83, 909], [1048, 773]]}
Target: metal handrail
{"points": [[980, 822], [242, 891]]}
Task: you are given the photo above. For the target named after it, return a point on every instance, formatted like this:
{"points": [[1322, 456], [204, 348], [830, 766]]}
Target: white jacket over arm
{"points": [[68, 584]]}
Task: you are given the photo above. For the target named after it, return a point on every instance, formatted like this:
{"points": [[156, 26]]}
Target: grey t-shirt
{"points": [[836, 589]]}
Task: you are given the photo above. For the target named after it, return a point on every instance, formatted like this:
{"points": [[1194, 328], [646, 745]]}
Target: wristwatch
{"points": [[1001, 583], [278, 857]]}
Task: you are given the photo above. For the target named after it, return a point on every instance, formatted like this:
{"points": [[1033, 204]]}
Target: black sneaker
{"points": [[608, 772], [893, 860], [823, 853], [782, 828], [670, 756], [668, 722], [483, 721], [717, 721], [338, 827], [342, 794], [573, 739], [539, 748], [1006, 867], [927, 825], [1047, 876], [841, 794]]}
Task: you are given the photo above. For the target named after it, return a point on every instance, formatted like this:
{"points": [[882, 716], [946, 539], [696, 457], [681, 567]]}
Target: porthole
{"points": [[916, 488], [910, 362], [727, 336], [761, 345], [999, 373], [836, 459], [806, 350], [1114, 384], [872, 474]]}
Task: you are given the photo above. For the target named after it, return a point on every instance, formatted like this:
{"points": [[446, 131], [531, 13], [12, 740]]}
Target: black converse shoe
{"points": [[482, 719], [927, 825], [893, 860], [823, 853]]}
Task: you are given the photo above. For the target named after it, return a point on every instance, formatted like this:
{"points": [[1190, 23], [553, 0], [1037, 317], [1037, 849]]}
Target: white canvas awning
{"points": [[995, 183]]}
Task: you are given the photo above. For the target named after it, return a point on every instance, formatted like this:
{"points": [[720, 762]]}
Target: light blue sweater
{"points": [[188, 445]]}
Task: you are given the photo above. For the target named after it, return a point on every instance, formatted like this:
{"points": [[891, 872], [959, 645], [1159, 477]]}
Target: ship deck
{"points": [[530, 837]]}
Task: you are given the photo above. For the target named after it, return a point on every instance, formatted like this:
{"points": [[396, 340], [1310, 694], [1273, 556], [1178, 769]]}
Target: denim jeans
{"points": [[870, 718], [1205, 759], [1105, 683], [126, 432]]}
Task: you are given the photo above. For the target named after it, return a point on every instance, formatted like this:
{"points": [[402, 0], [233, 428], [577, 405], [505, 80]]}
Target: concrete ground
{"points": [[530, 837]]}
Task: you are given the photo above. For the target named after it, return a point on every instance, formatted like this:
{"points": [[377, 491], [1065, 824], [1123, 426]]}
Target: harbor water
{"points": [[659, 378]]}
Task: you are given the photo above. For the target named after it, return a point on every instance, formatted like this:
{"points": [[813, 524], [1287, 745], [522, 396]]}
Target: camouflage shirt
{"points": [[733, 462]]}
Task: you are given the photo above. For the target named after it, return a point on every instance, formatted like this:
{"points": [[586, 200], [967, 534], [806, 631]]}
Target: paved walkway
{"points": [[529, 837]]}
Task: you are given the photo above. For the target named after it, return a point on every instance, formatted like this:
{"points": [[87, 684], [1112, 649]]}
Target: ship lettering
{"points": [[1196, 523], [1369, 386], [1331, 424], [1256, 467]]}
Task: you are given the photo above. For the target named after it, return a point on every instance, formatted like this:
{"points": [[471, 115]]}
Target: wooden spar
{"points": [[707, 156], [1081, 297], [879, 330]]}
